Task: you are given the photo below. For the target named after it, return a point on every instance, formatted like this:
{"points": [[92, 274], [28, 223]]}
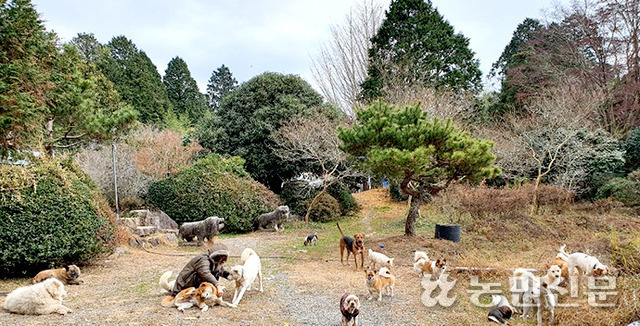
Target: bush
{"points": [[296, 193], [631, 146], [214, 186], [326, 209], [342, 194], [624, 190], [50, 214]]}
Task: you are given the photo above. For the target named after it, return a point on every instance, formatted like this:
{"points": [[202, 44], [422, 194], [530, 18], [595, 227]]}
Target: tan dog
{"points": [[199, 297], [70, 274], [350, 308], [379, 282], [564, 267], [353, 245]]}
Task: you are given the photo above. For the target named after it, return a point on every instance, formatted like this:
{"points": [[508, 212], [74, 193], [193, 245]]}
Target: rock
{"points": [[164, 221], [171, 237], [144, 231], [131, 223], [136, 242]]}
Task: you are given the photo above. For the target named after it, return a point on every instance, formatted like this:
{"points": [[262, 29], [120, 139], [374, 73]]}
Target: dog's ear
{"points": [[547, 266], [66, 267]]}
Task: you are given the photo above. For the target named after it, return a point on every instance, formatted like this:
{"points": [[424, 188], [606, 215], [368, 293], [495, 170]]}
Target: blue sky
{"points": [[252, 36]]}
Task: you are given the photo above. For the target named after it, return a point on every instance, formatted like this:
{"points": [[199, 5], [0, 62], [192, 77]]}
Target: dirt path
{"points": [[123, 290]]}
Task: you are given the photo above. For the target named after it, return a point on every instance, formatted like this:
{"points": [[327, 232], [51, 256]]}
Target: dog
{"points": [[311, 239], [164, 282], [422, 265], [564, 267], [189, 297], [353, 246], [377, 258], [553, 277], [276, 218], [534, 295], [207, 228], [587, 265], [350, 308], [38, 299], [379, 282], [69, 274], [502, 310], [245, 274]]}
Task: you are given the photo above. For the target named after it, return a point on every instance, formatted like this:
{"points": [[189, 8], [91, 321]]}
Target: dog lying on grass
{"points": [[69, 274], [38, 299], [245, 274], [189, 297], [502, 310]]}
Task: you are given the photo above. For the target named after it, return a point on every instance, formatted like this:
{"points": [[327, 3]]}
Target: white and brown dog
{"points": [[534, 295], [246, 274], [189, 297], [379, 282], [380, 259], [587, 265], [350, 308], [424, 266]]}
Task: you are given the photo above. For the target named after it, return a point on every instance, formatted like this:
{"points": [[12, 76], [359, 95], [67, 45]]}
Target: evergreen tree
{"points": [[136, 79], [90, 49], [220, 84], [408, 147], [416, 46], [183, 92], [243, 123]]}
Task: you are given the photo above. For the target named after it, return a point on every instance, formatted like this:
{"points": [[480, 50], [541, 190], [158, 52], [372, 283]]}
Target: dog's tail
{"points": [[420, 255], [164, 282], [246, 253], [384, 272], [168, 301], [342, 234], [563, 254]]}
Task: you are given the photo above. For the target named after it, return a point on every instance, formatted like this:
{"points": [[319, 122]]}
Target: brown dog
{"points": [[353, 245], [70, 274], [189, 297]]}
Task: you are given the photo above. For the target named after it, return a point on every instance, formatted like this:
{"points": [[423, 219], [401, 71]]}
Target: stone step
{"points": [[144, 231]]}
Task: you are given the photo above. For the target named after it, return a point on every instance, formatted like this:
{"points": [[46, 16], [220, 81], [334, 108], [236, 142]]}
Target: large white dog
{"points": [[38, 299], [245, 274]]}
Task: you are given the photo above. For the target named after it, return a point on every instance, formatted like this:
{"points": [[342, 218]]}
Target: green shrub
{"points": [[326, 209], [624, 190], [342, 194], [213, 186], [50, 214], [631, 147]]}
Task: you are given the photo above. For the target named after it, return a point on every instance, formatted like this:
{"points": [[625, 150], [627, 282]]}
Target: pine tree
{"points": [[136, 79], [407, 146], [183, 92], [416, 46], [220, 84]]}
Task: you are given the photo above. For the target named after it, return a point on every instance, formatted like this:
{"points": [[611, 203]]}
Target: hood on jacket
{"points": [[217, 250]]}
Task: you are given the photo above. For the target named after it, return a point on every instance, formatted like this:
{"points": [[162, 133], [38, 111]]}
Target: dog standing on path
{"points": [[353, 245]]}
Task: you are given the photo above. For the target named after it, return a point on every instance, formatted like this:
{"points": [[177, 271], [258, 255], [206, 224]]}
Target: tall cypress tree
{"points": [[416, 46], [136, 79], [182, 91], [220, 84]]}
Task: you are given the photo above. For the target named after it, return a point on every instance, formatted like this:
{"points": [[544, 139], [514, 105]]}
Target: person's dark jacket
{"points": [[202, 268]]}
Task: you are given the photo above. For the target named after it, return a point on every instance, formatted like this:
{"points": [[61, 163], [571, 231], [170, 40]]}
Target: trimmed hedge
{"points": [[326, 209], [50, 214], [624, 190], [214, 186]]}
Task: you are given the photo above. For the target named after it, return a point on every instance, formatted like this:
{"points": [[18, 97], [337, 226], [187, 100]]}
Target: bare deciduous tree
{"points": [[341, 66], [314, 139]]}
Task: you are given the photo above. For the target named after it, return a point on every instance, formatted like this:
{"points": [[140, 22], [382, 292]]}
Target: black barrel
{"points": [[448, 232]]}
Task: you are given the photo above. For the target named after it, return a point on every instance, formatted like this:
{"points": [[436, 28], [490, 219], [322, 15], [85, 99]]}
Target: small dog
{"points": [[38, 299], [502, 310], [553, 277], [533, 294], [377, 258], [199, 297], [379, 282], [311, 239], [245, 274], [564, 267], [587, 265], [350, 308], [521, 282], [353, 245], [423, 265], [69, 274]]}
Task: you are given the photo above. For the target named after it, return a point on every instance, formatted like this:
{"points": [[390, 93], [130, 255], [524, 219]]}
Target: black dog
{"points": [[311, 239], [502, 311]]}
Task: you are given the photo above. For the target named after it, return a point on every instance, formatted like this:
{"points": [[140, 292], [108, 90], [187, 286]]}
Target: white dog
{"points": [[245, 274], [381, 259], [587, 265], [533, 293], [164, 282], [38, 299], [424, 266]]}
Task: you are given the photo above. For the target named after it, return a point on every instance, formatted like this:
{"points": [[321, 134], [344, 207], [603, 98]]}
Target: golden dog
{"points": [[70, 274], [379, 282], [189, 297]]}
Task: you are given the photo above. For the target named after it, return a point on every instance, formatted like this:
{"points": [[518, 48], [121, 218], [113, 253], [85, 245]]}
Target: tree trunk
{"points": [[535, 201], [314, 201], [414, 212]]}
